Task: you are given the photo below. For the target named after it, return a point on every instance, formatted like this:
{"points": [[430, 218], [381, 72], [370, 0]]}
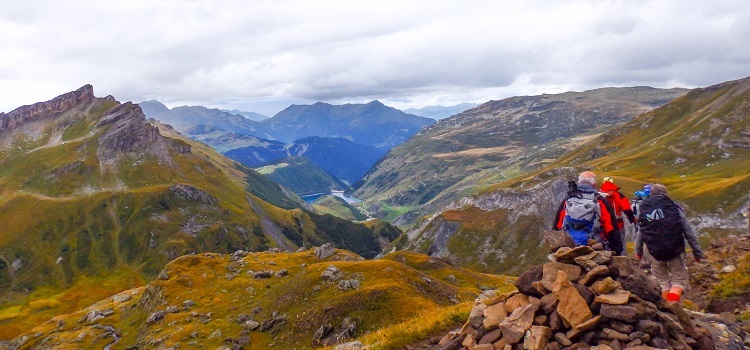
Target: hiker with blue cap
{"points": [[664, 228]]}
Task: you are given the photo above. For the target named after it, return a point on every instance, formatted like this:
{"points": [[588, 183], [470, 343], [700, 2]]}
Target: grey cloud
{"points": [[417, 52]]}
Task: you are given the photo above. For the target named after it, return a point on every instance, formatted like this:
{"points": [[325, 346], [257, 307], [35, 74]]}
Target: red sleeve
{"points": [[560, 217], [606, 219], [624, 203]]}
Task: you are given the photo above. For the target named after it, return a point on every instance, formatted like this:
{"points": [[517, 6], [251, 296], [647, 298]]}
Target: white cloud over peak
{"points": [[241, 54]]}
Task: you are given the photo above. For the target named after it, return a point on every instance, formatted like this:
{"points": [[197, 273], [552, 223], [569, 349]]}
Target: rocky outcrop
{"points": [[130, 131], [46, 109], [587, 298], [516, 206], [324, 251], [192, 193]]}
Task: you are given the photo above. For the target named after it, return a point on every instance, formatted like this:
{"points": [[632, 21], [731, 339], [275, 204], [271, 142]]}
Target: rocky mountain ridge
{"points": [[440, 112], [185, 117], [371, 124], [673, 144], [494, 142], [95, 199], [40, 110]]}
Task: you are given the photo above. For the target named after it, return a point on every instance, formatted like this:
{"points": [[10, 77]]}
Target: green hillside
{"points": [[338, 207], [494, 142], [301, 176], [95, 199], [697, 145], [279, 300]]}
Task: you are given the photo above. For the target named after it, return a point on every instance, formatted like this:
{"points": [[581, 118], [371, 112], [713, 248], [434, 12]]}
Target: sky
{"points": [[262, 56]]}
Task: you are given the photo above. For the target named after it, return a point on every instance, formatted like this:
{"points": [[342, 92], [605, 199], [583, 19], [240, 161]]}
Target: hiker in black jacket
{"points": [[664, 229]]}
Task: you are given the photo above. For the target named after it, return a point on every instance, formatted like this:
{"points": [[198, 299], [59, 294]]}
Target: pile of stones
{"points": [[584, 298]]}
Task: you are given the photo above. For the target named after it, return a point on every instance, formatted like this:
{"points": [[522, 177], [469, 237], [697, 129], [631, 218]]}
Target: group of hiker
{"points": [[590, 215]]}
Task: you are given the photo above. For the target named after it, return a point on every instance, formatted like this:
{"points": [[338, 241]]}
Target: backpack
{"points": [[581, 214], [661, 227], [635, 203]]}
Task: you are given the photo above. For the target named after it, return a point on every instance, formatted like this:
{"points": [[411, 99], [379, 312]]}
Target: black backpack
{"points": [[661, 227]]}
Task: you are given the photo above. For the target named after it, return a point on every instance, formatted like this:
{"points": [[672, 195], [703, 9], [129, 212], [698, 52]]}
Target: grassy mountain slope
{"points": [[212, 300], [340, 157], [338, 207], [224, 141], [496, 141], [301, 176], [697, 145], [94, 199]]}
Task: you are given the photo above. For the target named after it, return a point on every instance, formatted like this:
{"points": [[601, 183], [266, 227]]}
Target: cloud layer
{"points": [[257, 55]]}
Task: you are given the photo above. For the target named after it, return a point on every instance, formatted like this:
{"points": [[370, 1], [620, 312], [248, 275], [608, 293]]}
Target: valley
{"points": [[110, 217]]}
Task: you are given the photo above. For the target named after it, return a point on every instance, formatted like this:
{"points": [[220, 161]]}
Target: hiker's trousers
{"points": [[671, 273]]}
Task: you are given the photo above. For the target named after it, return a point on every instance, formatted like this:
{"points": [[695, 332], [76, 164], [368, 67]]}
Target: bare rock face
{"points": [[193, 194], [129, 132], [46, 109], [325, 251]]}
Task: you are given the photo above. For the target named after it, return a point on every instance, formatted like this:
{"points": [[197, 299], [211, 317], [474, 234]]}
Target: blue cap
{"points": [[647, 189], [640, 194]]}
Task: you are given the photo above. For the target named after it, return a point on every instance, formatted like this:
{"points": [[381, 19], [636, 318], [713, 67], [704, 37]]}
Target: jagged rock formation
{"points": [[587, 298], [46, 109], [94, 196]]}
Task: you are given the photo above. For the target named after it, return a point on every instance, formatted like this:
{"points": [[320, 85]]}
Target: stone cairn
{"points": [[584, 298]]}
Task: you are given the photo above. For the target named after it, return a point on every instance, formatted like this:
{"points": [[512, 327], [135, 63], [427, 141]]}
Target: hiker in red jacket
{"points": [[586, 214], [619, 202]]}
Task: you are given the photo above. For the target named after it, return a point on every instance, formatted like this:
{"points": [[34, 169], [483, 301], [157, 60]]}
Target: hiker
{"points": [[635, 204], [664, 229], [619, 202], [585, 214], [638, 197]]}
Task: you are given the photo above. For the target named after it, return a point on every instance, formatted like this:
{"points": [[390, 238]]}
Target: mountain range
{"points": [[343, 159], [697, 145], [344, 140], [249, 115], [372, 124], [185, 117], [494, 142], [440, 112], [96, 199]]}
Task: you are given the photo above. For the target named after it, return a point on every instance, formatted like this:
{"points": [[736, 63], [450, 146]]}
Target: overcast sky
{"points": [[261, 56]]}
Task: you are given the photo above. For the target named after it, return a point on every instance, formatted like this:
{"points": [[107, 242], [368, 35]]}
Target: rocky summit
{"points": [[586, 298]]}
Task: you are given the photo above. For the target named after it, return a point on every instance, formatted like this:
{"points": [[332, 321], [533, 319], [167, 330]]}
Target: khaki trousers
{"points": [[671, 273]]}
